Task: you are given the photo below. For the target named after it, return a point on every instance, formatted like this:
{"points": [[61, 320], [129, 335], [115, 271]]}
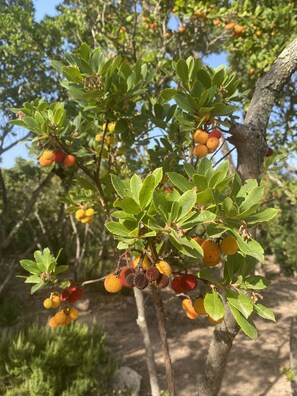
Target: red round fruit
{"points": [[124, 273], [189, 282], [58, 156], [177, 284], [215, 133]]}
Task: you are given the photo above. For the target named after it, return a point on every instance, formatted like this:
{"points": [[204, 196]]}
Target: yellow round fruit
{"points": [[89, 212], [164, 268], [98, 137], [212, 144], [229, 245], [112, 283], [200, 151], [45, 162], [55, 298], [48, 155], [111, 127], [79, 214], [198, 305], [212, 253], [200, 136], [47, 303]]}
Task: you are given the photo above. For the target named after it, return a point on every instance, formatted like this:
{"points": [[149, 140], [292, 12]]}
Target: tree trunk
{"points": [[249, 140], [149, 353]]}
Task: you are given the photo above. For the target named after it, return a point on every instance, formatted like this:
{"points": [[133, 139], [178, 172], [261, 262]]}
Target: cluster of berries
{"points": [[49, 157], [207, 143], [139, 275], [85, 216], [67, 313], [213, 250]]}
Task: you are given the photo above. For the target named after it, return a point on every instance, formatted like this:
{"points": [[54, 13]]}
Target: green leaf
{"points": [[219, 76], [33, 279], [230, 207], [264, 312], [187, 201], [242, 303], [250, 248], [261, 216], [135, 187], [118, 185], [204, 78], [207, 274], [158, 175], [256, 282], [30, 266], [61, 268], [205, 197], [189, 169], [214, 305], [185, 103], [247, 325], [37, 287], [167, 94], [179, 181], [117, 228], [254, 197], [205, 216], [186, 245], [200, 181], [182, 71], [146, 192]]}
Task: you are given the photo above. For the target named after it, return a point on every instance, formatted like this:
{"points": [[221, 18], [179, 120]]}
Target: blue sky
{"points": [[48, 7]]}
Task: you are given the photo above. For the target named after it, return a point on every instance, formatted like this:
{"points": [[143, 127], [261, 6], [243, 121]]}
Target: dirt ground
{"points": [[254, 368]]}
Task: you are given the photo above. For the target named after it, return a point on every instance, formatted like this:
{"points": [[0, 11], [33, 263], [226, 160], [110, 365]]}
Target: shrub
{"points": [[69, 361]]}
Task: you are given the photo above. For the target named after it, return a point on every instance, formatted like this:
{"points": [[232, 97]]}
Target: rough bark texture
{"points": [[163, 336], [249, 140], [149, 353], [293, 354]]}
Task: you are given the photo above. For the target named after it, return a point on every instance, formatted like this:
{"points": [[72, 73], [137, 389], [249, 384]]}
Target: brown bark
{"points": [[164, 341], [149, 353], [249, 140]]}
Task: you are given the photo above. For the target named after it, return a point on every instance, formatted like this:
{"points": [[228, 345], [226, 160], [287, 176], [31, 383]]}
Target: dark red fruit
{"points": [[140, 280], [130, 279], [163, 281], [71, 294], [269, 152], [189, 282], [59, 156], [215, 133], [153, 274], [124, 273], [177, 284]]}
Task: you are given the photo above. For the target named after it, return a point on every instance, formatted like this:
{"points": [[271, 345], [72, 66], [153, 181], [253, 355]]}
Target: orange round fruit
{"points": [[200, 151], [212, 253], [73, 313], [52, 322], [60, 317], [229, 245], [186, 304], [230, 26], [212, 144], [112, 283], [192, 315], [164, 268], [45, 162], [199, 240], [198, 305], [69, 160], [48, 155], [200, 136]]}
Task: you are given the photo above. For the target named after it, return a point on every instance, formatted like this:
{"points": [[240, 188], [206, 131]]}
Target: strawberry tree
{"points": [[136, 156]]}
